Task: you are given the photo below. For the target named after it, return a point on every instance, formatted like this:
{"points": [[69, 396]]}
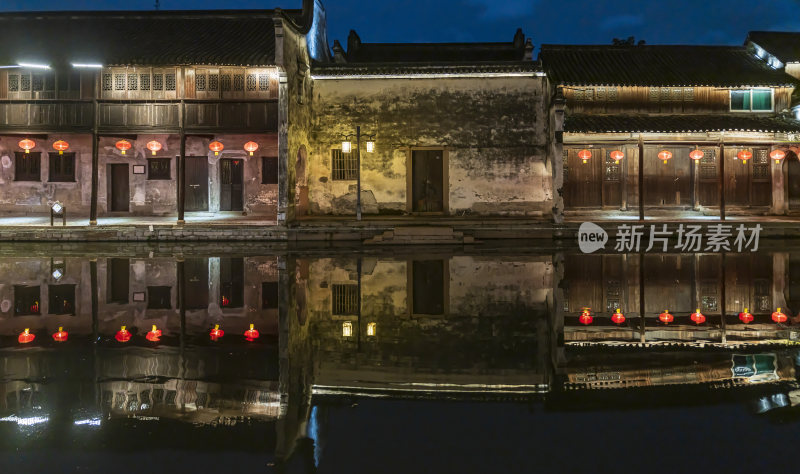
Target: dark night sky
{"points": [[547, 21]]}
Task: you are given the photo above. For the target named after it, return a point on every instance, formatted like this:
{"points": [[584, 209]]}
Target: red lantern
{"points": [[779, 317], [746, 317], [216, 333], [586, 316], [585, 155], [35, 307], [153, 146], [225, 301], [697, 154], [60, 335], [698, 317], [27, 145], [666, 317], [251, 147], [216, 147], [61, 146], [665, 155], [618, 317], [26, 336], [251, 334], [616, 155], [744, 155], [124, 145], [154, 335], [777, 155], [123, 335]]}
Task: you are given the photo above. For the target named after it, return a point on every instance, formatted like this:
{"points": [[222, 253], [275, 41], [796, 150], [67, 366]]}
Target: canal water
{"points": [[235, 358]]}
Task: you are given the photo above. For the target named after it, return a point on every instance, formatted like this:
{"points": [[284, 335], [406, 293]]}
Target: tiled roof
{"points": [[586, 123], [380, 69], [784, 45], [720, 66], [434, 52], [221, 37]]}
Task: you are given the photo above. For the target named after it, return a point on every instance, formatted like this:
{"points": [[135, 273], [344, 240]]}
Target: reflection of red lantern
{"points": [[26, 336], [666, 317], [665, 155], [124, 145], [777, 155], [698, 317], [586, 316], [745, 316], [585, 155], [27, 145], [60, 335], [154, 146], [216, 147], [225, 301], [251, 147], [745, 155], [61, 146], [123, 335], [154, 335], [251, 334], [779, 317], [616, 155], [216, 333], [697, 155], [618, 317], [35, 307]]}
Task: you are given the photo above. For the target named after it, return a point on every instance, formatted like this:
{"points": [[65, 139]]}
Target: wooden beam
{"points": [[182, 170], [721, 181], [641, 179]]}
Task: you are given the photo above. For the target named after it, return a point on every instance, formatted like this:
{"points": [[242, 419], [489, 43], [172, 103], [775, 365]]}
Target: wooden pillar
{"points": [[721, 181], [722, 297], [642, 320], [696, 184], [641, 178], [95, 179], [182, 168], [624, 177]]}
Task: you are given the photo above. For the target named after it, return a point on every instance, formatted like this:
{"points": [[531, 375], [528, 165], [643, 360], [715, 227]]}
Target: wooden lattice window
{"points": [[761, 295], [601, 93], [169, 81], [119, 82], [38, 82], [158, 82], [588, 95], [653, 94], [343, 166], [13, 82], [761, 164], [708, 164], [688, 94], [263, 82], [144, 82], [225, 82], [25, 82], [677, 94], [62, 167], [612, 168], [613, 293], [238, 82], [213, 82], [251, 82], [613, 94], [200, 82], [107, 82], [344, 301], [27, 166], [579, 94], [133, 82]]}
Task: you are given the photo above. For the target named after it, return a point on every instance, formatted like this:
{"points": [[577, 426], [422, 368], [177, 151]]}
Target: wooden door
{"points": [[231, 179], [667, 184], [231, 278], [583, 181], [793, 183], [428, 291], [582, 282], [748, 283], [613, 174], [195, 271], [119, 190], [708, 177], [427, 181], [668, 283], [118, 280], [196, 188], [748, 184]]}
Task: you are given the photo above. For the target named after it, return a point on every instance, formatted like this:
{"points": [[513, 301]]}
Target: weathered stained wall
{"points": [[492, 131]]}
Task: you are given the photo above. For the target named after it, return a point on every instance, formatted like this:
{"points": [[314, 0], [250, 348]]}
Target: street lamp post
{"points": [[346, 148]]}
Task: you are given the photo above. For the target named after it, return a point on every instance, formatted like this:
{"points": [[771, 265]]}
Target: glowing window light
{"points": [[372, 329], [347, 329], [26, 421], [87, 65], [88, 422]]}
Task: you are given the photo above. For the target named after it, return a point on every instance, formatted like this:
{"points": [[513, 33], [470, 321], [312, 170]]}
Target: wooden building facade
{"points": [[628, 120]]}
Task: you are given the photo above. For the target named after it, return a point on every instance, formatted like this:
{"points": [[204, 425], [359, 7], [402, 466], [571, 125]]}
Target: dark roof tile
{"points": [[586, 123], [784, 45]]}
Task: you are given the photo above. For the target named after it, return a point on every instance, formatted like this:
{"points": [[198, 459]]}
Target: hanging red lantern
{"points": [[585, 155], [154, 146], [665, 155], [61, 146], [225, 301], [154, 335], [586, 316], [697, 154], [60, 335], [666, 317], [125, 145], [618, 317], [216, 147], [26, 336], [123, 335], [216, 333], [251, 334], [27, 145], [251, 147], [777, 155], [35, 307], [779, 317], [744, 155], [617, 156], [746, 317], [698, 317]]}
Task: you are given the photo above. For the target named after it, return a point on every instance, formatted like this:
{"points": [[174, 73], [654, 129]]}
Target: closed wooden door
{"points": [[583, 182], [667, 184], [231, 179], [613, 174], [428, 286], [119, 188], [231, 282], [196, 188], [793, 171], [195, 271], [748, 184], [427, 182]]}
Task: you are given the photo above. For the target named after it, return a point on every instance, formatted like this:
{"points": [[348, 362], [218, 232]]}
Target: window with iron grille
{"points": [[107, 82], [26, 300], [61, 299], [343, 166], [225, 82], [588, 95], [579, 95], [159, 168], [601, 93], [119, 82], [200, 82], [13, 83], [251, 82], [27, 166], [169, 81], [677, 95], [144, 82], [654, 92], [688, 94], [25, 82], [344, 300], [238, 82], [613, 93], [263, 82], [665, 93], [62, 167], [612, 168], [158, 82], [133, 82], [213, 82]]}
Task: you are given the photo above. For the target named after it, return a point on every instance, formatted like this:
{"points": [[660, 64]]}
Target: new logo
{"points": [[591, 237]]}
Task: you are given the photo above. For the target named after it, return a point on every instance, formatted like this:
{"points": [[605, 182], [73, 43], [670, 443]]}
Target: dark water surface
{"points": [[400, 360]]}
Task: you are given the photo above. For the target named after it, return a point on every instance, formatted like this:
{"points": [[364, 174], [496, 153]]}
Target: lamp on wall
{"points": [[347, 147]]}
